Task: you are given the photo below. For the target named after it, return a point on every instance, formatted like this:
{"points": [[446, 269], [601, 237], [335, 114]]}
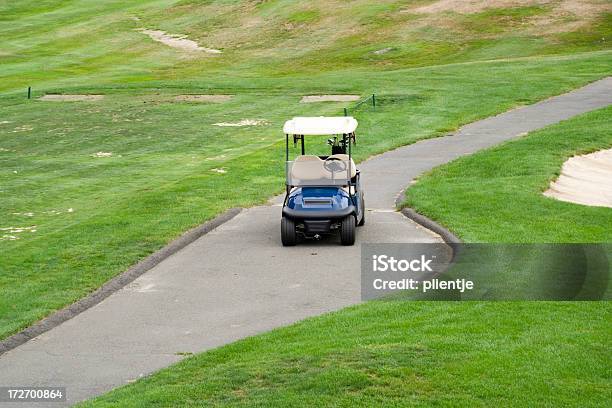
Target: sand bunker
{"points": [[585, 180], [243, 122], [177, 41], [70, 98], [329, 98], [203, 98]]}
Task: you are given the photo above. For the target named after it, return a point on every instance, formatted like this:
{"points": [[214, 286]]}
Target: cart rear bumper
{"points": [[319, 214]]}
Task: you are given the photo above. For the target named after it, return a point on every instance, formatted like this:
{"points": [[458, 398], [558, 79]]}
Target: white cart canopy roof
{"points": [[321, 125]]}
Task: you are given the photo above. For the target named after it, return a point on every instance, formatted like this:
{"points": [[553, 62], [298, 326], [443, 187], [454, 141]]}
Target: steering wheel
{"points": [[334, 165]]}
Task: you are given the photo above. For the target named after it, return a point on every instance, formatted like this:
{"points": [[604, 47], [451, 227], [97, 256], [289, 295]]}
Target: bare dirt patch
{"points": [[470, 6], [102, 154], [585, 179], [382, 51], [329, 98], [558, 16], [180, 42], [243, 122], [70, 98], [8, 232], [203, 98]]}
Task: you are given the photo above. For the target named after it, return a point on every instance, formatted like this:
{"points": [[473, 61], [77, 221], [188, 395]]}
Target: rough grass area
{"points": [[496, 195], [402, 354]]}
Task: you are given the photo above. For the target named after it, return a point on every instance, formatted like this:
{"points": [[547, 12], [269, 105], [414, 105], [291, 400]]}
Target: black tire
{"points": [[347, 230], [288, 235], [363, 212]]}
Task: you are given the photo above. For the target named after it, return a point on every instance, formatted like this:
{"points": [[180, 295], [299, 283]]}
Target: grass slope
{"points": [[434, 353]]}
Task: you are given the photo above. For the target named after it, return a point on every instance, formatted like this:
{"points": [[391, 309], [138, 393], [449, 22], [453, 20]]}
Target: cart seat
{"points": [[311, 168], [345, 157], [307, 168]]}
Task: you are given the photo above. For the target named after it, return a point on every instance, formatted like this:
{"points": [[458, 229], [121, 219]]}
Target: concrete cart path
{"points": [[238, 281]]}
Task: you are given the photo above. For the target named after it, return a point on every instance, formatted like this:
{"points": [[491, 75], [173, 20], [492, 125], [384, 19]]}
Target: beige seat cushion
{"points": [[305, 168], [311, 168], [345, 158]]}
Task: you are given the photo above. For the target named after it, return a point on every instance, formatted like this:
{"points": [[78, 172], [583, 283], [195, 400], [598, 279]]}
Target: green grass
{"points": [[442, 70], [161, 179], [496, 195], [401, 354], [434, 353]]}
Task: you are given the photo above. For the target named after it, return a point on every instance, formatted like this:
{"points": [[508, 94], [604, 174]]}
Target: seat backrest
{"points": [[307, 168], [345, 158]]}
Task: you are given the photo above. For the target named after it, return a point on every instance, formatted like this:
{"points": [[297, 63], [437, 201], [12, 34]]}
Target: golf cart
{"points": [[324, 194]]}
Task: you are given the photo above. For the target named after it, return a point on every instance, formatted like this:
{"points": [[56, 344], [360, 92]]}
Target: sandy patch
{"points": [[578, 8], [102, 154], [329, 98], [382, 51], [243, 122], [7, 233], [469, 6], [7, 237], [25, 214], [56, 212], [585, 179], [568, 16], [180, 42], [16, 230], [219, 157], [70, 98], [203, 98], [24, 128]]}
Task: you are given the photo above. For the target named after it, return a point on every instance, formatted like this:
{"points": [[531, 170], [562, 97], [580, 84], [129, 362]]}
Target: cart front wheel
{"points": [[288, 235], [347, 230]]}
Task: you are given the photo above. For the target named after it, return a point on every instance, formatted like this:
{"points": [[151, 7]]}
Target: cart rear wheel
{"points": [[347, 230], [288, 235], [363, 211]]}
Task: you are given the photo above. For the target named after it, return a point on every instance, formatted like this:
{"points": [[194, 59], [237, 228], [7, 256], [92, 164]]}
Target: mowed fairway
{"points": [[89, 188], [469, 353]]}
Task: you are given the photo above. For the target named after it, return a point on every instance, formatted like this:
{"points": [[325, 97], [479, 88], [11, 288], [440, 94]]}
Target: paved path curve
{"points": [[238, 281]]}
